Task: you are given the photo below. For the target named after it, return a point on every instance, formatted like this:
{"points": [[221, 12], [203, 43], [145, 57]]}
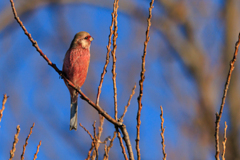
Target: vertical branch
{"points": [[107, 59], [224, 141], [95, 140], [142, 80], [5, 97], [127, 141], [14, 143], [26, 142], [35, 155], [115, 35], [162, 135], [121, 144], [218, 116]]}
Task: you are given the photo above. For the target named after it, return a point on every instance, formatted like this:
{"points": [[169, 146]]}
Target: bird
{"points": [[75, 68]]}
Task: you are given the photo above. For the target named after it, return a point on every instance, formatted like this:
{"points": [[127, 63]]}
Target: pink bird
{"points": [[75, 68]]}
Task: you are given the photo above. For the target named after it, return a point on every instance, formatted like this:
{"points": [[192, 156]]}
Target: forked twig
{"points": [[218, 116], [107, 149], [142, 76]]}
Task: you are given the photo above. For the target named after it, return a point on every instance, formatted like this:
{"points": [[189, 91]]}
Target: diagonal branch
{"points": [[5, 97], [26, 142], [218, 116], [142, 76], [14, 143]]}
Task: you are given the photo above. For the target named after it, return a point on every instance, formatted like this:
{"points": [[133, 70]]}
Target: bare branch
{"points": [[107, 149], [35, 155], [5, 97], [115, 35], [224, 141], [162, 135], [126, 107], [121, 144], [218, 116], [142, 76], [26, 142], [86, 131], [14, 143]]}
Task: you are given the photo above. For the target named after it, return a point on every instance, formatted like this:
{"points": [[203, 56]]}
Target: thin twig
{"points": [[86, 131], [95, 152], [26, 142], [90, 150], [162, 135], [35, 155], [121, 144], [126, 107], [142, 76], [224, 141], [14, 143], [5, 97], [115, 35], [107, 59], [218, 116], [107, 149]]}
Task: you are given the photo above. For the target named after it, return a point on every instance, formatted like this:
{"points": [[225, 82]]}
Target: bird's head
{"points": [[82, 40]]}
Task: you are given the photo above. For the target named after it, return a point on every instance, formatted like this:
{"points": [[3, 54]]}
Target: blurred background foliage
{"points": [[191, 45]]}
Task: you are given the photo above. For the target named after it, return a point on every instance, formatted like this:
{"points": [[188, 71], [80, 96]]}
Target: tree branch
{"points": [[219, 116]]}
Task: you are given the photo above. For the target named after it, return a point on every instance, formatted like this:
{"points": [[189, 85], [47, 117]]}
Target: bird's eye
{"points": [[86, 37]]}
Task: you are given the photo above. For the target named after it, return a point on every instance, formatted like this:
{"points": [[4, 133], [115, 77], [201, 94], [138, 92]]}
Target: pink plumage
{"points": [[75, 67]]}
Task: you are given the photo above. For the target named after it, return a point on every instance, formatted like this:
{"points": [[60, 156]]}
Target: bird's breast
{"points": [[76, 64]]}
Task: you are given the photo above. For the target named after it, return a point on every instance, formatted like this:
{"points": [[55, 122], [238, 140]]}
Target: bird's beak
{"points": [[91, 39]]}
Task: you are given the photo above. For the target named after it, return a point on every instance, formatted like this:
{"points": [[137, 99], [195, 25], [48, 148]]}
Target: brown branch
{"points": [[107, 149], [142, 76], [90, 150], [95, 152], [26, 142], [107, 60], [115, 35], [126, 107], [83, 96], [14, 143], [5, 97], [87, 131], [121, 144], [162, 135], [127, 141], [35, 155], [224, 141], [218, 116]]}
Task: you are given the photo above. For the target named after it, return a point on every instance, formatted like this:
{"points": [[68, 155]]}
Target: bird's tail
{"points": [[74, 112]]}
